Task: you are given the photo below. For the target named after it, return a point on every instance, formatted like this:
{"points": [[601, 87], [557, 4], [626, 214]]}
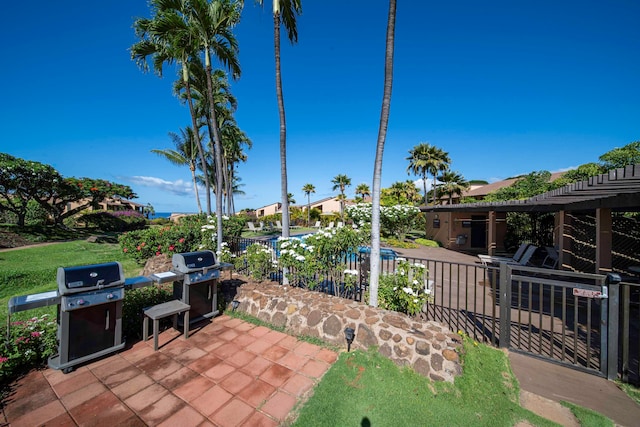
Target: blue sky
{"points": [[505, 87]]}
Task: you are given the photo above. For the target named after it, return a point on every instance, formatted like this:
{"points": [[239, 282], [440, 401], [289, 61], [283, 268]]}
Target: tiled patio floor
{"points": [[228, 373]]}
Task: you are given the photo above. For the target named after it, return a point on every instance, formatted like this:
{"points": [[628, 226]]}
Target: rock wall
{"points": [[430, 348]]}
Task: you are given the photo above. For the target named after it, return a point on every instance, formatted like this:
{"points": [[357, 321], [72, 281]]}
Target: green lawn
{"points": [[33, 270]]}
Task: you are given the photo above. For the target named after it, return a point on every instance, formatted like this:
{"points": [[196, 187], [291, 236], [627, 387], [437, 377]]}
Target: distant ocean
{"points": [[161, 215]]}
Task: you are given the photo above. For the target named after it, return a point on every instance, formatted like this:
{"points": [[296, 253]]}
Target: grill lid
{"points": [[89, 277], [188, 262]]}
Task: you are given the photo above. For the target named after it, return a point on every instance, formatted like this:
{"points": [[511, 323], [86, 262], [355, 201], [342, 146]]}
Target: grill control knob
{"points": [[80, 301]]}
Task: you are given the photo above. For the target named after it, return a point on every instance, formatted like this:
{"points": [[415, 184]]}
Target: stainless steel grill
{"points": [[199, 285], [89, 313]]}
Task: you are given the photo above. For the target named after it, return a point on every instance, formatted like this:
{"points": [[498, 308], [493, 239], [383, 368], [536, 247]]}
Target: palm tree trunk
{"points": [[195, 187], [377, 169], [424, 184], [217, 150], [283, 129], [308, 209], [196, 134], [434, 190]]}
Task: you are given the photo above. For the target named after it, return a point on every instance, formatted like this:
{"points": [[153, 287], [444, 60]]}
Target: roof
{"points": [[618, 189], [495, 186]]}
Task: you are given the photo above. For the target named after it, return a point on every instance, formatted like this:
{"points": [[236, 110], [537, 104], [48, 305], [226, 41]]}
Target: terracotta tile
{"points": [[279, 405], [158, 366], [167, 336], [274, 353], [258, 346], [178, 378], [211, 400], [55, 376], [259, 331], [213, 344], [276, 375], [307, 349], [327, 356], [115, 364], [206, 423], [274, 337], [232, 414], [244, 340], [236, 381], [258, 419], [200, 340], [226, 350], [256, 394], [175, 348], [83, 394], [189, 355], [38, 416], [218, 372], [121, 376], [289, 342], [204, 363], [161, 410], [146, 397], [194, 388], [104, 409], [224, 318], [293, 361], [132, 386], [315, 368], [298, 385], [185, 417], [216, 329], [257, 366], [241, 358], [62, 420], [139, 353], [28, 394], [233, 322], [229, 335], [132, 421], [244, 327]]}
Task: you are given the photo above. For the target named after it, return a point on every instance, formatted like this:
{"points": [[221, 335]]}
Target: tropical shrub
{"points": [[36, 214], [113, 221], [406, 290], [258, 260], [29, 344], [428, 243], [395, 220], [185, 236], [135, 301], [231, 227]]}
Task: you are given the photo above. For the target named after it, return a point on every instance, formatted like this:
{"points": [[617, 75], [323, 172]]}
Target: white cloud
{"points": [[179, 187]]}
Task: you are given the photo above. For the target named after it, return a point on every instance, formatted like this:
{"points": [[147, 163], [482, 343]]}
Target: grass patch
{"points": [[45, 233], [32, 270], [365, 388], [587, 417], [632, 391]]}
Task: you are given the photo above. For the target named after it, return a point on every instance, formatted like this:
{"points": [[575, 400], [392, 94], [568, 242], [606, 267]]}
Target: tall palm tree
{"points": [[212, 24], [340, 182], [425, 158], [184, 154], [284, 12], [363, 191], [167, 38], [452, 183], [377, 166], [308, 189]]}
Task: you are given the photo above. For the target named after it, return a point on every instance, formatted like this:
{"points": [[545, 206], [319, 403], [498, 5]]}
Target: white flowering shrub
{"points": [[315, 255], [395, 220], [406, 290], [225, 254], [259, 260]]}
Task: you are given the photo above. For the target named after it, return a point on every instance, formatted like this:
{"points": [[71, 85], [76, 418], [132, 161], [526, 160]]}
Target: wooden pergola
{"points": [[618, 190]]}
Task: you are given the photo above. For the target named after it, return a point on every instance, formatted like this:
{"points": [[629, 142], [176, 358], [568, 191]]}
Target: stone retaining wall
{"points": [[430, 348]]}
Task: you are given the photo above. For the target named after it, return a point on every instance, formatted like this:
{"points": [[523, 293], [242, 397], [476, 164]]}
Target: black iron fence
{"points": [[562, 316]]}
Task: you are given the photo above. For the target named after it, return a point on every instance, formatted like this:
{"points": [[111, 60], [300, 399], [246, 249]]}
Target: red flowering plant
{"points": [[184, 236], [29, 344]]}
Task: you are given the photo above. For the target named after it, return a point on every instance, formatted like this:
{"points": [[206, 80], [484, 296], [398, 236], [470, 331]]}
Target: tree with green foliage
{"points": [[452, 184], [525, 186], [400, 193], [340, 182], [621, 157], [425, 158], [308, 189], [362, 191]]}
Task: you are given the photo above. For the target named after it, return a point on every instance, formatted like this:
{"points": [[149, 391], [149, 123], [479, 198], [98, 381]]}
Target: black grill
{"points": [[199, 285]]}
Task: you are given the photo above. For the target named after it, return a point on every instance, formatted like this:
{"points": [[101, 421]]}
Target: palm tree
{"points": [[340, 182], [211, 24], [426, 158], [363, 190], [308, 189], [452, 183], [184, 154], [284, 12], [167, 38], [377, 166]]}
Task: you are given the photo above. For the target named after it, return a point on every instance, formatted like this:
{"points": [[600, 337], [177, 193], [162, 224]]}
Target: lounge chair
{"points": [[340, 224], [252, 227], [278, 225], [516, 259], [330, 226], [552, 258], [317, 225]]}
